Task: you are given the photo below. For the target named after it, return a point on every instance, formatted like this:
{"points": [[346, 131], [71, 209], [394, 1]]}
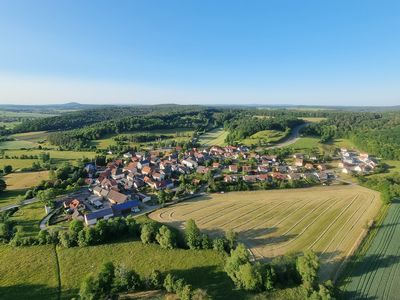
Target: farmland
{"points": [[329, 220], [375, 275], [265, 137], [214, 137]]}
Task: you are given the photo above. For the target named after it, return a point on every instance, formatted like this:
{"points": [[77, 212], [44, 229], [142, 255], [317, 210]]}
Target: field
{"points": [[20, 181], [179, 135], [28, 273], [214, 137], [314, 119], [28, 218], [329, 220], [375, 276], [264, 137]]}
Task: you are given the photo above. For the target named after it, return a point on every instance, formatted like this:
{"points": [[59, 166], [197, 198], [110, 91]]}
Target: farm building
{"points": [[92, 218]]}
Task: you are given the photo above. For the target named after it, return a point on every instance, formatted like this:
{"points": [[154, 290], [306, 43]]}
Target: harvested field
{"points": [[329, 220], [20, 181], [214, 137], [375, 275]]}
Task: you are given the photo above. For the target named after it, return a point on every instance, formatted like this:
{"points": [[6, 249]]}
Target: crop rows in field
{"points": [[328, 220], [376, 275]]}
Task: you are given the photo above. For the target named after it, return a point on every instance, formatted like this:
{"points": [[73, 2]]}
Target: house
{"points": [[146, 170], [202, 170], [263, 169], [309, 166], [143, 163], [298, 162], [126, 207], [246, 169], [143, 197], [158, 176], [109, 184], [250, 178], [233, 168], [131, 167], [117, 174], [189, 163], [215, 165], [128, 155], [93, 217], [97, 190], [116, 197], [262, 177]]}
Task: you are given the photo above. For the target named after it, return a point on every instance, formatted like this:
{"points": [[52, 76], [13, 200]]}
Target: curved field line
{"points": [[202, 208], [216, 215], [333, 222], [277, 223], [244, 215], [344, 225], [305, 216], [305, 228], [223, 209], [378, 251], [259, 215]]}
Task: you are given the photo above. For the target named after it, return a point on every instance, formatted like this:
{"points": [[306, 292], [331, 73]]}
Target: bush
{"points": [[166, 238], [192, 235], [148, 233]]}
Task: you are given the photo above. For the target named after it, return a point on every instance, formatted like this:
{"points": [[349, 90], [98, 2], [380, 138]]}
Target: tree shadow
{"points": [[28, 291]]}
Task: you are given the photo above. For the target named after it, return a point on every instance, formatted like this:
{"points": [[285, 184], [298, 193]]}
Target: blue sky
{"points": [[225, 52]]}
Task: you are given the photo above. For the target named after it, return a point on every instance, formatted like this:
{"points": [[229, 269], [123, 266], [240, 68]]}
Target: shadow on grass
{"points": [[28, 291], [215, 281]]}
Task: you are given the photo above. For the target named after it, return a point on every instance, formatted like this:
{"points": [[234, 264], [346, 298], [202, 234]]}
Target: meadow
{"points": [[375, 275], [28, 273], [28, 218], [26, 180], [214, 137], [264, 137], [328, 220]]}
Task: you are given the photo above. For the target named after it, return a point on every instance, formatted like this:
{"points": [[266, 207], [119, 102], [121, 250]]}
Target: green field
{"points": [[178, 135], [10, 197], [313, 119], [28, 273], [264, 137], [214, 137], [21, 181], [28, 218], [305, 143], [375, 276]]}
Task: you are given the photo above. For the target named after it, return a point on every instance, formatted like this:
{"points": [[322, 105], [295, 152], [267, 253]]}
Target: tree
{"points": [[161, 195], [249, 277], [106, 279], [166, 238], [125, 280], [169, 283], [154, 280], [200, 294], [74, 228], [192, 235], [238, 257], [89, 288], [270, 277], [3, 185], [7, 169], [185, 293], [148, 233], [307, 265], [218, 244], [231, 237], [65, 239]]}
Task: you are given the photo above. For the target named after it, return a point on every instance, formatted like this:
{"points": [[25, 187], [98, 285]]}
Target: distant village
{"points": [[125, 185]]}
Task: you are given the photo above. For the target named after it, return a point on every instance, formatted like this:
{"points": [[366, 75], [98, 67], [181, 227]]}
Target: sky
{"points": [[200, 52]]}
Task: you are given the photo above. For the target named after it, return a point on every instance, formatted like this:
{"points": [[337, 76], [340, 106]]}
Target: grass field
{"points": [[200, 268], [328, 220], [28, 217], [19, 181], [10, 197], [375, 276], [264, 137], [214, 137], [305, 143], [28, 273]]}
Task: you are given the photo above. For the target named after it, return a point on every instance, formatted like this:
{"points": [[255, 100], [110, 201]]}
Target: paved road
{"points": [[292, 138], [25, 202]]}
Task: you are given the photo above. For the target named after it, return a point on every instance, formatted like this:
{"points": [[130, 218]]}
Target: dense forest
{"points": [[377, 133]]}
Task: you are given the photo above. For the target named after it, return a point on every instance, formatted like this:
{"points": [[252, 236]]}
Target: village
{"points": [[130, 185]]}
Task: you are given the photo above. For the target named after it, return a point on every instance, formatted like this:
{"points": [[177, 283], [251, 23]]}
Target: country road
{"points": [[25, 202], [291, 139]]}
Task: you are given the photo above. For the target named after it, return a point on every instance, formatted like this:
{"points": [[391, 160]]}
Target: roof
{"points": [[126, 205], [116, 197], [99, 214]]}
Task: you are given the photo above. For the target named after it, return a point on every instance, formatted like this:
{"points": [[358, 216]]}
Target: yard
{"points": [[328, 220]]}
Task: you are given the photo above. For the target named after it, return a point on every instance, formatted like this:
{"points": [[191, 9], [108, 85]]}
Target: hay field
{"points": [[329, 220], [20, 181], [214, 137]]}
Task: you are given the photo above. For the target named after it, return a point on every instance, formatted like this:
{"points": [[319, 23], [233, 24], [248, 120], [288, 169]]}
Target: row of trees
{"points": [[112, 280], [282, 272]]}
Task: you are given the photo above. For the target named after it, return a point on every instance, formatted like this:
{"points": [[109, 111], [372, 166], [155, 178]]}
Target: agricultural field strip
{"points": [[343, 236], [295, 210], [201, 208], [382, 254], [305, 228], [372, 275], [333, 222], [391, 278], [379, 251]]}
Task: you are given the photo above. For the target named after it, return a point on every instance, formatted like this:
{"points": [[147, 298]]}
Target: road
{"points": [[291, 139], [25, 202]]}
